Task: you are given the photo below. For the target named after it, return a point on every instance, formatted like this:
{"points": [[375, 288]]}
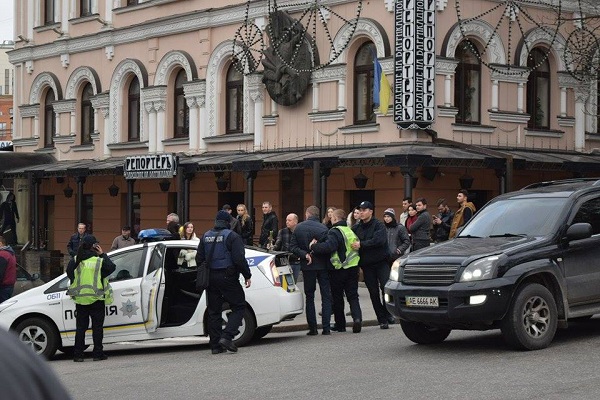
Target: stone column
{"points": [[520, 97], [256, 90], [100, 103], [149, 108], [447, 68], [580, 98], [155, 98], [495, 100], [195, 96]]}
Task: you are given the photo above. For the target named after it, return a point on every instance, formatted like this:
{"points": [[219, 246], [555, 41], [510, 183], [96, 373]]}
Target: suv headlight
{"points": [[395, 271], [479, 270]]}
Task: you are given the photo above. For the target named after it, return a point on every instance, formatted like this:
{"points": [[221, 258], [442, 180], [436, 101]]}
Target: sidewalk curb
{"points": [[304, 326]]}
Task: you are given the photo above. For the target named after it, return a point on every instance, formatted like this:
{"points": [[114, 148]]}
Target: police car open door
{"points": [[153, 288]]}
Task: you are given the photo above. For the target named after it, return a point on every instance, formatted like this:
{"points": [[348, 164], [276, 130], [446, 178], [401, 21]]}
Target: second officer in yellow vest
{"points": [[344, 272], [90, 291]]}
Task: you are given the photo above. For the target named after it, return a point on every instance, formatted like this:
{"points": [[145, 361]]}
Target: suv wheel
{"points": [[423, 334], [532, 319]]}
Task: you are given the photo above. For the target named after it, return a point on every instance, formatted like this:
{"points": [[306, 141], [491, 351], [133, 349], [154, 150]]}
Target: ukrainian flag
{"points": [[381, 88]]}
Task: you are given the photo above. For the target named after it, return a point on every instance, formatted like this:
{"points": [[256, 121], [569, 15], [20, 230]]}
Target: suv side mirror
{"points": [[580, 230]]}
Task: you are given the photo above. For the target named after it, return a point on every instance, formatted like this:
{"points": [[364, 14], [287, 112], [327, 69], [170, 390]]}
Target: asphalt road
{"points": [[375, 364]]}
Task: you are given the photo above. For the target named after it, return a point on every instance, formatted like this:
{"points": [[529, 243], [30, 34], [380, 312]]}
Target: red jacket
{"points": [[8, 267]]}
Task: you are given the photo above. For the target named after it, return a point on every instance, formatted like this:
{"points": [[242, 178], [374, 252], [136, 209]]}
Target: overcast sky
{"points": [[6, 20]]}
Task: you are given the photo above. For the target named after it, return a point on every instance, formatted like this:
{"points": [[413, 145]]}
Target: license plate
{"points": [[421, 301]]}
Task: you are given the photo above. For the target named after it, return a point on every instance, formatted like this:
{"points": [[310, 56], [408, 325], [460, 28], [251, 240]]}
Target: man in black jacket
{"points": [[270, 226], [373, 249], [226, 261], [314, 268]]}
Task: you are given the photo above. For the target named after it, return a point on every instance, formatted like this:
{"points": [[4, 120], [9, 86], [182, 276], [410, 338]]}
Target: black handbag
{"points": [[203, 274]]}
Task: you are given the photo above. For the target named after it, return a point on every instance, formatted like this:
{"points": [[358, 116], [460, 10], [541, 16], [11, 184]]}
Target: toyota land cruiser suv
{"points": [[526, 263]]}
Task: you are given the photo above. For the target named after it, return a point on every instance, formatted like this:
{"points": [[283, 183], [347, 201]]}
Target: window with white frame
{"points": [[48, 12], [234, 109], [467, 84], [85, 8], [538, 90], [49, 119], [133, 111], [87, 114], [363, 84], [182, 111]]}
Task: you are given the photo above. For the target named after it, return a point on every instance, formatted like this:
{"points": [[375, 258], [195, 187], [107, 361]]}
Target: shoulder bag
{"points": [[203, 275]]}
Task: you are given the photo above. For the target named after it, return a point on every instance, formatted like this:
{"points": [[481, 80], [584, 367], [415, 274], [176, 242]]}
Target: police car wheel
{"points": [[246, 330], [38, 334]]}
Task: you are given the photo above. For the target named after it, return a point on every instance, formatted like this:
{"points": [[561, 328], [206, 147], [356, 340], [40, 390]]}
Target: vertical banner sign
{"points": [[414, 64]]}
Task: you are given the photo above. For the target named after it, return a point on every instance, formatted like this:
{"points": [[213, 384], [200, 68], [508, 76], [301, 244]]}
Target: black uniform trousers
{"points": [[376, 276], [224, 285], [345, 281], [95, 311]]}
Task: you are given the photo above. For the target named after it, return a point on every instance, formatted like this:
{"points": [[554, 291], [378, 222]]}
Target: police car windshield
{"points": [[515, 218]]}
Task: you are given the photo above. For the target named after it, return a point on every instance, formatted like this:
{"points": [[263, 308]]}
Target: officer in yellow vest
{"points": [[90, 291], [344, 270]]}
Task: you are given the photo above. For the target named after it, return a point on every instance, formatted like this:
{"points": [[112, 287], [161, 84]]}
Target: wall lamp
{"points": [[360, 180], [466, 181], [68, 191], [222, 181], [164, 184]]}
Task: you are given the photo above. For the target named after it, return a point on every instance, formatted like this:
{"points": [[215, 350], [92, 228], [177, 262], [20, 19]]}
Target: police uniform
{"points": [[226, 262], [90, 291]]}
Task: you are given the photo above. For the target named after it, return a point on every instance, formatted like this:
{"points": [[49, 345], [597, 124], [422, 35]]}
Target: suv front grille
{"points": [[429, 275]]}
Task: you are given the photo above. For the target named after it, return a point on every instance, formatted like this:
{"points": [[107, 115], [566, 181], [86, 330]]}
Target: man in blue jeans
{"points": [[314, 269]]}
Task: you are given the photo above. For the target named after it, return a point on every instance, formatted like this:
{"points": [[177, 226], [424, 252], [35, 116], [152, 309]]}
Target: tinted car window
{"points": [[531, 217], [129, 265], [589, 212]]}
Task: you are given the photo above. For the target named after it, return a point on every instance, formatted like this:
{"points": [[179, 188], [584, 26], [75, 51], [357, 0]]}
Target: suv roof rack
{"points": [[562, 182]]}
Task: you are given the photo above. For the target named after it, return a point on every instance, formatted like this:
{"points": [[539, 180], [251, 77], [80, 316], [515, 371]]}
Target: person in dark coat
{"points": [[314, 269], [234, 224], [10, 216], [374, 253], [76, 239], [397, 235], [226, 261], [420, 229], [344, 273], [270, 226], [8, 270], [246, 223], [442, 222]]}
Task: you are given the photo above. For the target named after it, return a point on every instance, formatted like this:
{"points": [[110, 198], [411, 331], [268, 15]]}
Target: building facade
{"points": [[6, 91], [99, 82]]}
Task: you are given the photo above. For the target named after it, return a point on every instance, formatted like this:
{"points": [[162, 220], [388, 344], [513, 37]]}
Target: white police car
{"points": [[154, 298]]}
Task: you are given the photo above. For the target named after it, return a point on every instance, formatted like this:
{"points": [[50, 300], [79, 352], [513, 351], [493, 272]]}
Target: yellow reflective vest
{"points": [[88, 285], [352, 257]]}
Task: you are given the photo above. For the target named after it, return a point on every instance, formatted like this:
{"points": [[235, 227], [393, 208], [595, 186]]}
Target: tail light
{"points": [[275, 273]]}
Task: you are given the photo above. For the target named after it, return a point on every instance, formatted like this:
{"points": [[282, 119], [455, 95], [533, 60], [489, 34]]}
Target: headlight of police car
{"points": [[395, 271], [7, 304], [479, 270]]}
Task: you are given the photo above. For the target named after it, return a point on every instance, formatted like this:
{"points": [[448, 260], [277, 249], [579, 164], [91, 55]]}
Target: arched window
{"points": [[87, 114], [467, 84], [234, 110], [133, 111], [49, 119], [182, 111], [363, 84], [538, 90]]}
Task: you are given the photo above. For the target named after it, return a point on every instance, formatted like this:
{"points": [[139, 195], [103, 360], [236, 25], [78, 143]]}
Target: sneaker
{"points": [[326, 332], [391, 320], [218, 350], [78, 359], [312, 332], [228, 344], [384, 325], [101, 357], [356, 326]]}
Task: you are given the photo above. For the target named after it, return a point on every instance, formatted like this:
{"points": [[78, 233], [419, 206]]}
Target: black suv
{"points": [[525, 263]]}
